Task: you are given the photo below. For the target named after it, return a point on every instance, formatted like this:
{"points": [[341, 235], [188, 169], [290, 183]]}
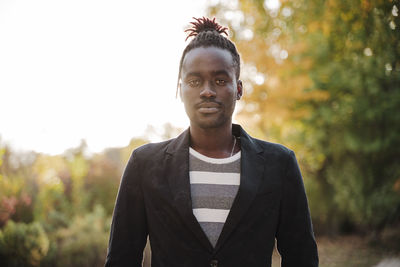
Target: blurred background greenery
{"points": [[321, 77]]}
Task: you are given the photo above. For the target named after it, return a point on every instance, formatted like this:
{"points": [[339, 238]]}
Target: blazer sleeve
{"points": [[128, 233], [295, 237]]}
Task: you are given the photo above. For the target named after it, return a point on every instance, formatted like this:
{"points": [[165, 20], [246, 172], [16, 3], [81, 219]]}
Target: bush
{"points": [[84, 242], [23, 244]]}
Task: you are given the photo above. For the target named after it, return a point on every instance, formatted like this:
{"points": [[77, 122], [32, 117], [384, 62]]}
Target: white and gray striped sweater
{"points": [[214, 184]]}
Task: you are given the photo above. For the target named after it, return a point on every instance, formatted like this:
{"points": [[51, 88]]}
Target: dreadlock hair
{"points": [[206, 33]]}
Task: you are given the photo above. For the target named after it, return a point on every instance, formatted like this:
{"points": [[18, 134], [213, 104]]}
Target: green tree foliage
{"points": [[23, 244], [56, 210], [358, 65], [52, 205], [323, 77], [15, 188], [83, 243], [105, 171], [103, 179]]}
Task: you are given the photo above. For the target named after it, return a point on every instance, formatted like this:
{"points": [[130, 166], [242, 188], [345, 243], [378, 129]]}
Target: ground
{"points": [[351, 251]]}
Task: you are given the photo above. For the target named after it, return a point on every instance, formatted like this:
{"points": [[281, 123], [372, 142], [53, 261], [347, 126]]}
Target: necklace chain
{"points": [[234, 143]]}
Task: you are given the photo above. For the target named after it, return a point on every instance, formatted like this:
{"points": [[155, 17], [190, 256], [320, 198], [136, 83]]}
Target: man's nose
{"points": [[208, 90]]}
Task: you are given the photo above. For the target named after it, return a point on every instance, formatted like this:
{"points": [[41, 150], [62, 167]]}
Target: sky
{"points": [[89, 69]]}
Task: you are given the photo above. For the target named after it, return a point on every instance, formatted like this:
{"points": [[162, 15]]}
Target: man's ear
{"points": [[180, 89], [239, 89]]}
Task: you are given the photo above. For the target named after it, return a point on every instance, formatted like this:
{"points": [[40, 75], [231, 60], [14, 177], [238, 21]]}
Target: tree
{"points": [[325, 80]]}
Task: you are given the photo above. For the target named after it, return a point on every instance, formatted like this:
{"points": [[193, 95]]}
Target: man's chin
{"points": [[210, 124]]}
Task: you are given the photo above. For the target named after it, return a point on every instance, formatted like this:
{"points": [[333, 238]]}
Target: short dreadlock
{"points": [[206, 33]]}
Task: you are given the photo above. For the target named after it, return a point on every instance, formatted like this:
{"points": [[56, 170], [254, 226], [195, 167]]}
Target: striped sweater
{"points": [[214, 184]]}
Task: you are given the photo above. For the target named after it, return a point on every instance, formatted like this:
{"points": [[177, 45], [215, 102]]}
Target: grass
{"points": [[347, 251]]}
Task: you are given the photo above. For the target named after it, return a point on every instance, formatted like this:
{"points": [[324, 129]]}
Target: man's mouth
{"points": [[208, 110], [208, 107]]}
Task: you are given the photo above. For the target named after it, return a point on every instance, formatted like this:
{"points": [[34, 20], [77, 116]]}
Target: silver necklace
{"points": [[234, 143]]}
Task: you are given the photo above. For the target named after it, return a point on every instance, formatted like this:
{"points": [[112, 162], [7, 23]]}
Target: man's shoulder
{"points": [[268, 148], [267, 145], [271, 148], [151, 149]]}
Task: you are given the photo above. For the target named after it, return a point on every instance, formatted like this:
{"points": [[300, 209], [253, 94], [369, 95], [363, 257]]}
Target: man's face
{"points": [[209, 87]]}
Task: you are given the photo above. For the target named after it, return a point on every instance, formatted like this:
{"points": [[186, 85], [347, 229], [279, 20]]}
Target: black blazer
{"points": [[154, 199]]}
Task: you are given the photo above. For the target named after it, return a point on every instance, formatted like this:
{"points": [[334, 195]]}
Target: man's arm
{"points": [[295, 237], [129, 227]]}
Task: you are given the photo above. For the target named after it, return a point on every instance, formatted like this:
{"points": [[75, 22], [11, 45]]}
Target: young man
{"points": [[213, 196]]}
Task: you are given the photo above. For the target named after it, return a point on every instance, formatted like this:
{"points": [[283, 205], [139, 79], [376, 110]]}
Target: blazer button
{"points": [[214, 263]]}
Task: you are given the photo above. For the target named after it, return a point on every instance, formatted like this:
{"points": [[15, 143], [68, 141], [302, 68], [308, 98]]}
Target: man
{"points": [[213, 196]]}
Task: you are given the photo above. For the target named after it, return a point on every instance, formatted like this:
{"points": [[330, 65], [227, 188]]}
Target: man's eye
{"points": [[220, 82], [194, 83]]}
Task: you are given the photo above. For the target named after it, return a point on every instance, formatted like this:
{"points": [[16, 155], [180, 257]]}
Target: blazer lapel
{"points": [[177, 159], [252, 167]]}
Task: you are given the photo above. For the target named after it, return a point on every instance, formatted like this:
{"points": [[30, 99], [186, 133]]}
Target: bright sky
{"points": [[89, 69]]}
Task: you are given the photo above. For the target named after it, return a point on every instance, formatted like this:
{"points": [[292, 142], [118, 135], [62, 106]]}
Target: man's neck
{"points": [[213, 142]]}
